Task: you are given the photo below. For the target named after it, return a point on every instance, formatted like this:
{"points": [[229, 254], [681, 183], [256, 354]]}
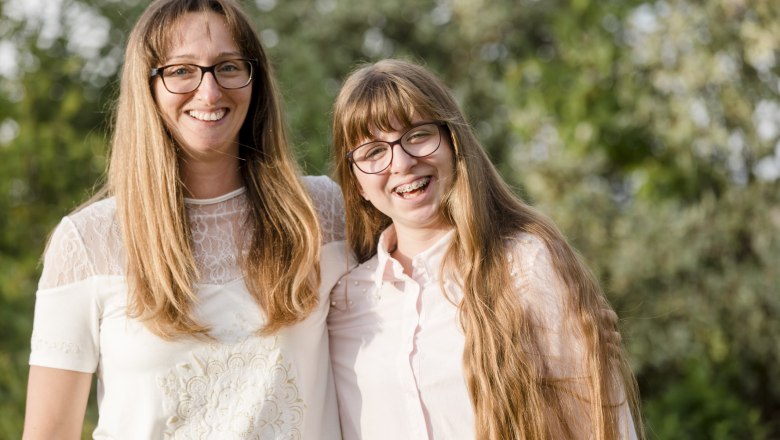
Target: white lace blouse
{"points": [[237, 385]]}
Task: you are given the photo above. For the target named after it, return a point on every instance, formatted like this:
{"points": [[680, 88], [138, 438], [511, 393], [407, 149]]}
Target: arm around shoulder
{"points": [[56, 403], [329, 204]]}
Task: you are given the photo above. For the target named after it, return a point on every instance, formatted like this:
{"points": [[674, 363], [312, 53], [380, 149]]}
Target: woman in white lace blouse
{"points": [[469, 315], [191, 285]]}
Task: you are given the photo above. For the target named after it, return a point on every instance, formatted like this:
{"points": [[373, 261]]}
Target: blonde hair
{"points": [[511, 396], [144, 176]]}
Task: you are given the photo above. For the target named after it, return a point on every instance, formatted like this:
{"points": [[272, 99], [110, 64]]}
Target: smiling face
{"points": [[411, 189], [206, 121]]}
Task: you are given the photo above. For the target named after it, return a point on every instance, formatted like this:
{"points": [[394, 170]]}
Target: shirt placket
{"points": [[411, 320]]}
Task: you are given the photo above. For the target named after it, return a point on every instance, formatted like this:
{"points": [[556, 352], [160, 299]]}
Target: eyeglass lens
{"points": [[419, 141], [184, 78]]}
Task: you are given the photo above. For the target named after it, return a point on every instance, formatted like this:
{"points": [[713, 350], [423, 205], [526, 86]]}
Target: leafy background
{"points": [[648, 130]]}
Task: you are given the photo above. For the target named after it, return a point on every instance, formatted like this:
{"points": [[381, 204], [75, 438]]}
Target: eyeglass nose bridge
{"points": [[204, 71], [392, 145]]}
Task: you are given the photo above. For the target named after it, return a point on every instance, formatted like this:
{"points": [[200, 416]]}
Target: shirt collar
{"points": [[385, 263], [429, 260]]}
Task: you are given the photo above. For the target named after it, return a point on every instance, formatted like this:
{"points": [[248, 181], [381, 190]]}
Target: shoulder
{"points": [[329, 204], [325, 194], [534, 274], [525, 240], [86, 222], [94, 215], [321, 185], [548, 299], [97, 224], [84, 243], [526, 251]]}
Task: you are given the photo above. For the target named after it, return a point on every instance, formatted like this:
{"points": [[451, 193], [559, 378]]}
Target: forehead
{"points": [[200, 34]]}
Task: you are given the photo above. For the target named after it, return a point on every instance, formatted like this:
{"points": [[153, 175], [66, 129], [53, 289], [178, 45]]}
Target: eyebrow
{"points": [[188, 56]]}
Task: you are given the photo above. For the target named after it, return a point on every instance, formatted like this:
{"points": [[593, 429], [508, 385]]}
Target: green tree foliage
{"points": [[651, 136], [52, 148], [649, 131]]}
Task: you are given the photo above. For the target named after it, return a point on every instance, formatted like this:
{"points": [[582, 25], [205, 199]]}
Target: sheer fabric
{"points": [[88, 242]]}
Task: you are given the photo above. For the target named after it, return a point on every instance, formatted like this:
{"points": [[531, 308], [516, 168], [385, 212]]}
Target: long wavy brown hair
{"points": [[281, 258], [507, 371]]}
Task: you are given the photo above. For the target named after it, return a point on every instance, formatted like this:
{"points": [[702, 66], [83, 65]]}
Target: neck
{"points": [[411, 242], [208, 180]]}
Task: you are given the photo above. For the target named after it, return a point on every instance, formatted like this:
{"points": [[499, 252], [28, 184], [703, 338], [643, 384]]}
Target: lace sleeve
{"points": [[66, 322], [66, 259], [328, 202]]}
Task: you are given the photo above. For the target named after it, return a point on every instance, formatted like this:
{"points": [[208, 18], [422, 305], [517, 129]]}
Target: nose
{"points": [[402, 161], [209, 91]]}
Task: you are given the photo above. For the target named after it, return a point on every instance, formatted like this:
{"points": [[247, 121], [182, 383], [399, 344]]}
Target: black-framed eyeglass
{"points": [[185, 78], [420, 140]]}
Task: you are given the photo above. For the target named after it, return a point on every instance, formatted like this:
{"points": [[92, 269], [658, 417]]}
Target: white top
{"points": [[397, 344], [236, 386]]}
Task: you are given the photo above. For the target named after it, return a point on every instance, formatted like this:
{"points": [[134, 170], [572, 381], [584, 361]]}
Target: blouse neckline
{"points": [[214, 200]]}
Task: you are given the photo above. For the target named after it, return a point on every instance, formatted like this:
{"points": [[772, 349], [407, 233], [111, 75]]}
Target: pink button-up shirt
{"points": [[396, 341]]}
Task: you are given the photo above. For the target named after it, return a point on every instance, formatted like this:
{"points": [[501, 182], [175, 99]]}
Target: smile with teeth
{"points": [[406, 191], [206, 115]]}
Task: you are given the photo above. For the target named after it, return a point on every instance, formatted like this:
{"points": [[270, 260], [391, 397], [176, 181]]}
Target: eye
{"points": [[419, 135], [180, 71], [230, 67], [373, 151]]}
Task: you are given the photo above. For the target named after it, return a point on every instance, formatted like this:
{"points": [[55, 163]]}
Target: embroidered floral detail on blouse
{"points": [[38, 343], [241, 391]]}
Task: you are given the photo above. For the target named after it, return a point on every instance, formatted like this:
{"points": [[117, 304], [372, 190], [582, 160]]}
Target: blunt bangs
{"points": [[380, 100]]}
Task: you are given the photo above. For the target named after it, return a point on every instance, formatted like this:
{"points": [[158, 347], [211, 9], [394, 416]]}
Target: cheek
{"points": [[448, 166], [166, 105], [452, 173], [245, 99], [362, 183], [359, 189], [159, 94]]}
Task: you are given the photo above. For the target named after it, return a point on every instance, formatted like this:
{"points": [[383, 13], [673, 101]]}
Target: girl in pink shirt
{"points": [[469, 315]]}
